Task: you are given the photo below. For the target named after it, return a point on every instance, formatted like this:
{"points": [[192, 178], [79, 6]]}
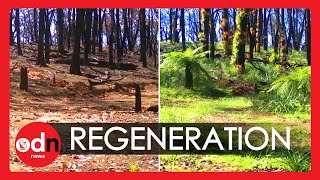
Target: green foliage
{"points": [[297, 161], [133, 168], [172, 70], [287, 94], [274, 57]]}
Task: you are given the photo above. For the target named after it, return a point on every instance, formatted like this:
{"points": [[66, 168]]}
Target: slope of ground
{"points": [[58, 97]]}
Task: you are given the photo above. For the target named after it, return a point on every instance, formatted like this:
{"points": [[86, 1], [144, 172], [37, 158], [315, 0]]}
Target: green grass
{"points": [[213, 101]]}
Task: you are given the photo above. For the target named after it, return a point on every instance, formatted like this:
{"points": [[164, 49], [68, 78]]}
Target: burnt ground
{"points": [[56, 96]]}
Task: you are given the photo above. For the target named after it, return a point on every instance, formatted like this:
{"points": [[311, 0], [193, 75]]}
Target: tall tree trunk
{"points": [[94, 31], [143, 56], [75, 63], [60, 30], [206, 15], [11, 32], [200, 21], [183, 30], [175, 28], [17, 29], [276, 34], [87, 35], [118, 36], [111, 38], [226, 42], [212, 35], [259, 30], [41, 60], [252, 31], [239, 40], [126, 29], [47, 36], [35, 24], [69, 29], [100, 29], [308, 36], [265, 30], [171, 25]]}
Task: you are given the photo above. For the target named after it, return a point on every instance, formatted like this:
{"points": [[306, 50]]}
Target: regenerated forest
{"points": [[84, 66], [237, 66]]}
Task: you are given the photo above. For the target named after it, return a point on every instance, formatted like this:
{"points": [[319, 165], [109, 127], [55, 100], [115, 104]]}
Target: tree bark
{"points": [[75, 63], [143, 56], [60, 30], [87, 43], [47, 36], [239, 40], [17, 29], [41, 60], [308, 35], [94, 31], [183, 30], [35, 24]]}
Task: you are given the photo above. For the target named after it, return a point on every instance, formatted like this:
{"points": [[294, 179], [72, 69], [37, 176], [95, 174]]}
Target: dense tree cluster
{"points": [[283, 29], [86, 31]]}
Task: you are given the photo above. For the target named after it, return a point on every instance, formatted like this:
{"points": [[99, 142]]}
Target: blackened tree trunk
{"points": [[265, 30], [175, 28], [200, 20], [206, 15], [183, 30], [226, 42], [17, 29], [111, 38], [35, 24], [171, 25], [47, 36], [126, 29], [308, 36], [189, 76], [94, 31], [252, 31], [41, 60], [118, 35], [138, 98], [69, 29], [100, 29], [11, 32], [24, 78], [87, 35], [143, 56], [212, 35], [276, 34], [75, 63], [239, 40], [60, 30]]}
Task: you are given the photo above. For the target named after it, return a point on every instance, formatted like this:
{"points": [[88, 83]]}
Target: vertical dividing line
{"points": [[159, 110]]}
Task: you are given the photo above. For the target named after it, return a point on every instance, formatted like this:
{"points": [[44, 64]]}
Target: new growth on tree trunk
{"points": [[239, 40]]}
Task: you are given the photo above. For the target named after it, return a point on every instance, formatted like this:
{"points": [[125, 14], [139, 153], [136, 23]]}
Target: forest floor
{"points": [[69, 99], [186, 106], [229, 98]]}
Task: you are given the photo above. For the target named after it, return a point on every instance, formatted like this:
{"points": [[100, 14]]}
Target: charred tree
{"points": [[17, 29], [183, 30], [75, 62], [41, 60], [60, 30], [87, 35], [143, 56]]}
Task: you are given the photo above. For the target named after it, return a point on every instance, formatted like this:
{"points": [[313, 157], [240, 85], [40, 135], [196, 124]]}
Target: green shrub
{"points": [[287, 94]]}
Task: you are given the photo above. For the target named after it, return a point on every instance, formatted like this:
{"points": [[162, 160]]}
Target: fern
{"points": [[288, 93]]}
